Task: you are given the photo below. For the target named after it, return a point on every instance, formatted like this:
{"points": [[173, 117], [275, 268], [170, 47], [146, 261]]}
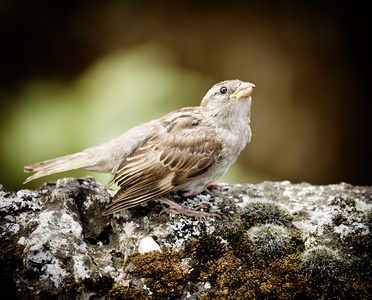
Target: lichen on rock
{"points": [[274, 240]]}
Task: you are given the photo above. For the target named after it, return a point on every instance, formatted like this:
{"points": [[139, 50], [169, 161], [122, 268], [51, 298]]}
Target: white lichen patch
{"points": [[57, 236], [317, 218], [185, 229], [81, 267], [128, 230], [316, 208], [52, 224], [362, 206], [39, 256], [128, 235], [24, 199], [343, 230], [53, 273], [202, 200], [11, 228]]}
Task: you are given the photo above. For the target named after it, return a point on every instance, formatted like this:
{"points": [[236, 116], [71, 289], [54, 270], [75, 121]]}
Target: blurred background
{"points": [[74, 74]]}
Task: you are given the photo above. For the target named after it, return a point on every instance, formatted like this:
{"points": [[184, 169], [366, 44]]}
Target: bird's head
{"points": [[229, 99]]}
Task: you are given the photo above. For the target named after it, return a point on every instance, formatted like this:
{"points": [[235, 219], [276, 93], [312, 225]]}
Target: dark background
{"points": [[310, 61]]}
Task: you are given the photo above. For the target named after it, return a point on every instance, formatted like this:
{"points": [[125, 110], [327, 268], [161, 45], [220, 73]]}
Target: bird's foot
{"points": [[179, 209], [210, 187]]}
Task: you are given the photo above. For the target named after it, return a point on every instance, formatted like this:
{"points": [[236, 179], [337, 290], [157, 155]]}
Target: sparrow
{"points": [[183, 151]]}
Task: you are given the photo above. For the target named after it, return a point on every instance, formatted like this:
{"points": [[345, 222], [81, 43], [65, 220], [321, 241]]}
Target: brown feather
{"points": [[164, 162]]}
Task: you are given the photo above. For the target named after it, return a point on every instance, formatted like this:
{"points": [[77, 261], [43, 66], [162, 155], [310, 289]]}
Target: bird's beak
{"points": [[244, 90]]}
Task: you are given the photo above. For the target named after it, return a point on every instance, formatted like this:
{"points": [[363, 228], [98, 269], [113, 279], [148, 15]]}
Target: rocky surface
{"points": [[275, 240]]}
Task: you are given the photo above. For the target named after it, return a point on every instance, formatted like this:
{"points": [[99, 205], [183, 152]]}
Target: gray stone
{"points": [[65, 240]]}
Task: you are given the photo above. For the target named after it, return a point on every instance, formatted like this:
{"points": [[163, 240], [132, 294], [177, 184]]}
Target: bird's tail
{"points": [[78, 160]]}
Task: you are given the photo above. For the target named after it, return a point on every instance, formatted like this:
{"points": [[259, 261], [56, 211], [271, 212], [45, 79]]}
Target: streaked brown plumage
{"points": [[183, 151]]}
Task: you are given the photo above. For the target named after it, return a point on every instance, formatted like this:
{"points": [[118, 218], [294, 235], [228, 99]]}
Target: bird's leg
{"points": [[210, 187], [179, 209]]}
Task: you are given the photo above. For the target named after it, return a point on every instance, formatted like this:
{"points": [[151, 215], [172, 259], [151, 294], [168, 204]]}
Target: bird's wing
{"points": [[184, 149]]}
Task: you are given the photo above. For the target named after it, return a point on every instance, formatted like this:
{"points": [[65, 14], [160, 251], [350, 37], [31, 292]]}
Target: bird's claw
{"points": [[179, 209], [190, 213]]}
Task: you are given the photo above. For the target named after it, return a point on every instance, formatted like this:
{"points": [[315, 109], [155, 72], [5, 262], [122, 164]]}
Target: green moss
{"points": [[268, 238], [121, 292], [333, 277], [99, 286], [357, 279], [281, 279], [207, 248], [163, 273], [358, 269], [360, 245], [240, 246], [296, 244], [321, 262], [323, 267], [265, 211], [71, 288], [239, 272], [10, 260]]}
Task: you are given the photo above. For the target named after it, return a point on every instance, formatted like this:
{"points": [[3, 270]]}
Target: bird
{"points": [[184, 151]]}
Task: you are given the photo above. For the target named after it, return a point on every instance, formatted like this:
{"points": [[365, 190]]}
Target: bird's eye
{"points": [[223, 90]]}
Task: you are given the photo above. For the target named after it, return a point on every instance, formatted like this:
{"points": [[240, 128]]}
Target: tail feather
{"points": [[57, 165]]}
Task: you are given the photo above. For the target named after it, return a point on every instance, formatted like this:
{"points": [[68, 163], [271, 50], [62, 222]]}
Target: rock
{"points": [[148, 244], [56, 244], [298, 225]]}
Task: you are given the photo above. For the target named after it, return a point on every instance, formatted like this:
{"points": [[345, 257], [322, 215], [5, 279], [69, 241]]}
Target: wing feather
{"points": [[184, 149]]}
